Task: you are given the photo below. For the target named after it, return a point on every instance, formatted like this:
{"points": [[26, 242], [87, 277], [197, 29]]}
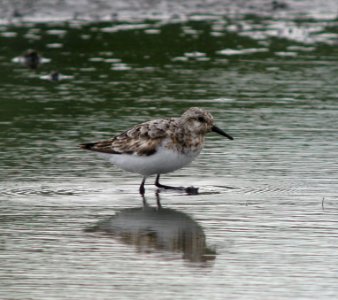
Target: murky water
{"points": [[264, 225]]}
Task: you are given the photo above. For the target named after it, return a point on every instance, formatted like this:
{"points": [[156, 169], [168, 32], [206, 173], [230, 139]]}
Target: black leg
{"points": [[158, 200], [142, 189], [157, 183], [144, 202], [189, 190]]}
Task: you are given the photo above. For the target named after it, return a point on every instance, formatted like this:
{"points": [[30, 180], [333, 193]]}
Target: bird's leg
{"points": [[142, 189], [157, 183], [158, 200], [144, 202], [189, 190]]}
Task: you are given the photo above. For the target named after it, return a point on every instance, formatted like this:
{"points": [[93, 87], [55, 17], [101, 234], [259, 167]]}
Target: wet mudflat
{"points": [[264, 225]]}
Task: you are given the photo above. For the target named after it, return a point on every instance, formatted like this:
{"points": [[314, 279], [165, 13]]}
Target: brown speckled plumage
{"points": [[180, 134]]}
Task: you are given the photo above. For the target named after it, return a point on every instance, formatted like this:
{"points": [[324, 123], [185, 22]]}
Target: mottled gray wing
{"points": [[142, 139]]}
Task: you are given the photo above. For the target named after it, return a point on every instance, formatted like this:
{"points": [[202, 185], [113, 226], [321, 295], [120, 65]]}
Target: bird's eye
{"points": [[201, 119]]}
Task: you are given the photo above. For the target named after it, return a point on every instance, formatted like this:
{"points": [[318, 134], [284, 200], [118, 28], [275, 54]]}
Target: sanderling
{"points": [[159, 146]]}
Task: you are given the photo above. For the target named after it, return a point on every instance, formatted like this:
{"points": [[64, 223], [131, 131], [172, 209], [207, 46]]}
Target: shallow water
{"points": [[264, 225]]}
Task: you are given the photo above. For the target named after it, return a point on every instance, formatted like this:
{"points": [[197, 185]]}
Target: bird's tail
{"points": [[87, 146]]}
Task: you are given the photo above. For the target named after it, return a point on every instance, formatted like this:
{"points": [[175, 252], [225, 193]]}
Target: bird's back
{"points": [[142, 139]]}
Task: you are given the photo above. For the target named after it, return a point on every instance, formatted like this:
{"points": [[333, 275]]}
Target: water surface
{"points": [[264, 225]]}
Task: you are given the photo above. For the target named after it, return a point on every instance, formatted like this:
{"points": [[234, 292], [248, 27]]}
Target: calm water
{"points": [[265, 224]]}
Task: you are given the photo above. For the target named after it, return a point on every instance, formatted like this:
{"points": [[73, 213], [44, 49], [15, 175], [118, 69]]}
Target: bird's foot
{"points": [[189, 190]]}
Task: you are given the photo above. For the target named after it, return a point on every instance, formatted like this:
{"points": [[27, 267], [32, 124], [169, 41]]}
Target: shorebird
{"points": [[159, 146]]}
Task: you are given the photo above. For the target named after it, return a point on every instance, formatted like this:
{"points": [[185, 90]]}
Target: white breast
{"points": [[163, 161]]}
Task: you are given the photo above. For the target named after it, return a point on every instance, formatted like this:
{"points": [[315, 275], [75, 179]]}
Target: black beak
{"points": [[221, 132]]}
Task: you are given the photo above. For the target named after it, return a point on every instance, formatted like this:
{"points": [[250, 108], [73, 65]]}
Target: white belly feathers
{"points": [[163, 161]]}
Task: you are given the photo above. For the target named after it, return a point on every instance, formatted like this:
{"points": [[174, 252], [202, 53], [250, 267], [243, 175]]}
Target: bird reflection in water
{"points": [[157, 228]]}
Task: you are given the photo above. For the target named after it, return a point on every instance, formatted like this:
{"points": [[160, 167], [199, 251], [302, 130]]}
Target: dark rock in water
{"points": [[32, 59], [17, 14], [278, 5], [55, 76]]}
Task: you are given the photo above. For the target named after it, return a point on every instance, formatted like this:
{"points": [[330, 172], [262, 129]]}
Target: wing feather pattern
{"points": [[142, 139]]}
